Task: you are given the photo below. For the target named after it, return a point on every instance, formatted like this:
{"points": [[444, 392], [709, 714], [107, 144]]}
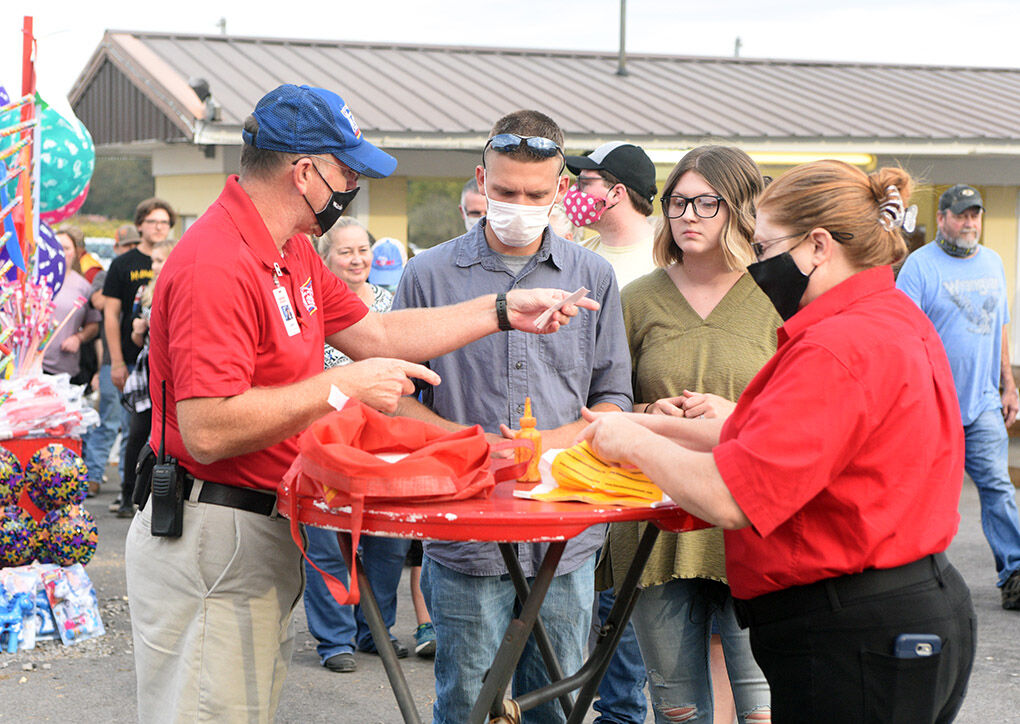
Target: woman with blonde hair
{"points": [[698, 322], [839, 471]]}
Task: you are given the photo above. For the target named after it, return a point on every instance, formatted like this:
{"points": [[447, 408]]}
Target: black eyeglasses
{"points": [[705, 206], [759, 247]]}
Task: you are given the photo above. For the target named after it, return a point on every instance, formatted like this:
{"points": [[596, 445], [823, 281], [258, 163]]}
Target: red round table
{"points": [[504, 519]]}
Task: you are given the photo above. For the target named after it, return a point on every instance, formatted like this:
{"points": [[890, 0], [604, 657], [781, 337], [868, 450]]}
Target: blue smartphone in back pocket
{"points": [[916, 646]]}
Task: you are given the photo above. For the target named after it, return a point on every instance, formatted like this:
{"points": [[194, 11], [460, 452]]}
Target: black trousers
{"points": [[138, 435], [827, 649]]}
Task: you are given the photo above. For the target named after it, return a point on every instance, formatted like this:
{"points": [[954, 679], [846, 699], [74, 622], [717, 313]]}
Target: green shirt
{"points": [[672, 349]]}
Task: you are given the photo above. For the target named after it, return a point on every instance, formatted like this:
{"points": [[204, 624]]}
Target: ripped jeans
{"points": [[673, 622]]}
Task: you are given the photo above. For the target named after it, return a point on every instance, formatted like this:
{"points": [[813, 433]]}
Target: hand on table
{"points": [[613, 436]]}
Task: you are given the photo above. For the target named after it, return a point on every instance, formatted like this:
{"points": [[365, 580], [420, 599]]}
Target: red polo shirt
{"points": [[846, 450], [218, 330]]}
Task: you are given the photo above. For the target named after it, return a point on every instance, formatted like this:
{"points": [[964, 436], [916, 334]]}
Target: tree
{"points": [[118, 184]]}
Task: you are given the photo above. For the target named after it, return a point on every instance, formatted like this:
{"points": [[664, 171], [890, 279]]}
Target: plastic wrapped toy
{"points": [[74, 604], [55, 477], [13, 610], [19, 537], [12, 477], [24, 580], [69, 535], [42, 406]]}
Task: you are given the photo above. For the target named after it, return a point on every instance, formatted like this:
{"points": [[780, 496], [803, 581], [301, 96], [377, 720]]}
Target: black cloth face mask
{"points": [[334, 208], [782, 281]]}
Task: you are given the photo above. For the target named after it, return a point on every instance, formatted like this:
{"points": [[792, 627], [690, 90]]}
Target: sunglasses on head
{"points": [[510, 142]]}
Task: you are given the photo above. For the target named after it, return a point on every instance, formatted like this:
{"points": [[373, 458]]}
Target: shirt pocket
{"points": [[566, 349]]}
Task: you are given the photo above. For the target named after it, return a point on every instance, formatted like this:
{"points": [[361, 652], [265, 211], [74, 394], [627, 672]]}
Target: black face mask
{"points": [[782, 281], [334, 208]]}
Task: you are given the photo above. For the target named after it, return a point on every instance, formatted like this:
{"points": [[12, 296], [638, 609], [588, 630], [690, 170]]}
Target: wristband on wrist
{"points": [[501, 314]]}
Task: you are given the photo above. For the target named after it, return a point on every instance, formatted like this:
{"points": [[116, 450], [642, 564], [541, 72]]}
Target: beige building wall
{"points": [[190, 194], [387, 208]]}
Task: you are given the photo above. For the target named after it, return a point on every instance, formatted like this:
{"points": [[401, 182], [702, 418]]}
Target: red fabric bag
{"points": [[338, 462]]}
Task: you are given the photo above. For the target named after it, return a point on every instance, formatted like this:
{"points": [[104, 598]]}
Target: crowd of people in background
{"points": [[771, 377]]}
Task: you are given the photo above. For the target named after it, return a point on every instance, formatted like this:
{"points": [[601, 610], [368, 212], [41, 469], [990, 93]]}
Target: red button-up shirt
{"points": [[217, 328], [846, 450]]}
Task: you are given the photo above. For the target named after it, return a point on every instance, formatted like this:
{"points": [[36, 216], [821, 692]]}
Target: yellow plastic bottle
{"points": [[528, 432]]}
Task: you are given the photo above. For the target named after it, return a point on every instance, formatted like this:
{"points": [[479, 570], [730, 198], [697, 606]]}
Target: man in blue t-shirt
{"points": [[961, 286]]}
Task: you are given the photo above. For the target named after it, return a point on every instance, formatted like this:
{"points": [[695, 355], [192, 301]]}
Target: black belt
{"points": [[834, 593], [231, 496]]}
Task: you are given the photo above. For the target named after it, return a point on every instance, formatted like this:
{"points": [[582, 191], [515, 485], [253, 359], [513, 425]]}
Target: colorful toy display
{"points": [[69, 535], [73, 601], [50, 263], [13, 610], [12, 478], [56, 477], [19, 536], [44, 406], [68, 158]]}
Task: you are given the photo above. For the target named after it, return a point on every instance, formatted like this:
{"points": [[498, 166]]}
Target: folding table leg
{"points": [[589, 676], [516, 636], [552, 663], [612, 630], [381, 636]]}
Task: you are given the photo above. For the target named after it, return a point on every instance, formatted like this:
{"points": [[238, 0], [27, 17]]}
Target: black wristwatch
{"points": [[501, 316]]}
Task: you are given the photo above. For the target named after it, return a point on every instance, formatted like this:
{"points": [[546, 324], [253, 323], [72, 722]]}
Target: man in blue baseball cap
{"points": [[241, 312]]}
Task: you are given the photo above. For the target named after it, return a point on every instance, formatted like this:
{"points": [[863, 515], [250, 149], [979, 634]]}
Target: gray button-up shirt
{"points": [[485, 382]]}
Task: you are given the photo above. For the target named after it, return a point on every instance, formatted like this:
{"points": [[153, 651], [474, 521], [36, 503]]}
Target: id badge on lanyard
{"points": [[283, 303]]}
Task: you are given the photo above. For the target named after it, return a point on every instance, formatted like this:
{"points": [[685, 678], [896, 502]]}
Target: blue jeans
{"points": [[673, 624], [98, 441], [471, 614], [339, 629], [987, 463], [622, 690]]}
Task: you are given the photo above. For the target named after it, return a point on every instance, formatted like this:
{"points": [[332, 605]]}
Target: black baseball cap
{"points": [[959, 198], [627, 162]]}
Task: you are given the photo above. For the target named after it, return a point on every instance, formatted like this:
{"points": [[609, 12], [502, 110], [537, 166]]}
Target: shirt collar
{"points": [[242, 211], [474, 249], [834, 301]]}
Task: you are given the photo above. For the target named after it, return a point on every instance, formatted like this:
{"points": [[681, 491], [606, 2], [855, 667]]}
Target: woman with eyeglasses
{"points": [[839, 471], [698, 323]]}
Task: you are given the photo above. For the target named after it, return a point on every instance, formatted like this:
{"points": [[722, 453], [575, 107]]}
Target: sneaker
{"points": [[1011, 592], [126, 511], [115, 505], [425, 640], [342, 663], [93, 489]]}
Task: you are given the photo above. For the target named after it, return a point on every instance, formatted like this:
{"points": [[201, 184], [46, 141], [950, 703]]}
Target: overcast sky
{"points": [[949, 32]]}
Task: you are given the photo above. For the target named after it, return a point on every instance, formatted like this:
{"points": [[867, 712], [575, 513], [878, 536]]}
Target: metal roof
{"points": [[421, 96]]}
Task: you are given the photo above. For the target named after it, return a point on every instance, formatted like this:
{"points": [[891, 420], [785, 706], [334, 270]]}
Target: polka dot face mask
{"points": [[582, 209]]}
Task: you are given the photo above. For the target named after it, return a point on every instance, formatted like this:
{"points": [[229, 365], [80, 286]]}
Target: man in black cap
{"points": [[961, 286], [241, 312], [613, 195]]}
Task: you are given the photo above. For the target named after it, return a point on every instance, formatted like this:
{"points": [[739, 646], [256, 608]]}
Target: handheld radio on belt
{"points": [[167, 496]]}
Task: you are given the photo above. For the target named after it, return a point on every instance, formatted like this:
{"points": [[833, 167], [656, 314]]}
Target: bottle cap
{"points": [[527, 420]]}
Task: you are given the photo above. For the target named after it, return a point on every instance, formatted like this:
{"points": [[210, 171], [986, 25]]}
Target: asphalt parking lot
{"points": [[94, 681]]}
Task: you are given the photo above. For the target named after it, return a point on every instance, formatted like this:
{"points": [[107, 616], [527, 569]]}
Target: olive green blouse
{"points": [[672, 349]]}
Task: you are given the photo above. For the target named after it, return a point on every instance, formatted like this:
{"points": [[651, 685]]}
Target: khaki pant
{"points": [[211, 614]]}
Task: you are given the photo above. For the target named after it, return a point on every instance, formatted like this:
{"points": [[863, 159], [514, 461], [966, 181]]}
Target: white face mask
{"points": [[517, 224], [470, 221]]}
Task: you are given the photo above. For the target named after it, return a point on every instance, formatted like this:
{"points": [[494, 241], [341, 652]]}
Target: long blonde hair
{"points": [[736, 178]]}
